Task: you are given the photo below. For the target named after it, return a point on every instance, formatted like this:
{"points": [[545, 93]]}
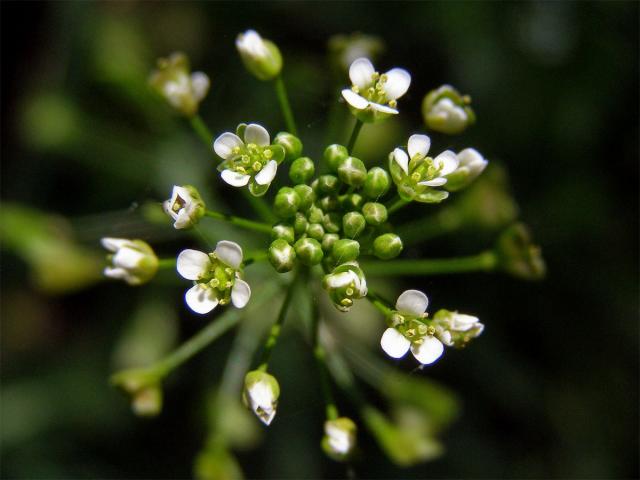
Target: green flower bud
{"points": [[143, 385], [291, 144], [387, 246], [377, 183], [334, 154], [352, 171], [282, 255], [306, 194], [456, 329], [286, 202], [328, 240], [374, 213], [352, 201], [517, 255], [302, 170], [260, 56], [315, 214], [309, 251], [283, 231], [300, 224], [331, 222], [345, 250], [261, 393], [315, 230], [327, 184], [339, 440], [352, 224], [329, 203], [445, 110]]}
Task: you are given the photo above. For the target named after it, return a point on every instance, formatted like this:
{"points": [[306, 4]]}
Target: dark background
{"points": [[549, 390]]}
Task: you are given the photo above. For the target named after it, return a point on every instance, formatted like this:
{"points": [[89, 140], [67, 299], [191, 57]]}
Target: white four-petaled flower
{"points": [[434, 175], [373, 96], [425, 348], [216, 277], [185, 206]]}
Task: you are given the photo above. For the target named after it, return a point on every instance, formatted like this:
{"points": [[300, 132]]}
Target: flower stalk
{"points": [[285, 107], [354, 135], [239, 221], [483, 262]]}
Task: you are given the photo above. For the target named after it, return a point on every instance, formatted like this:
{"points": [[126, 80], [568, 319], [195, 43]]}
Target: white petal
{"points": [[117, 273], [397, 83], [342, 279], [240, 294], [183, 220], [447, 161], [128, 258], [261, 395], [360, 73], [355, 100], [230, 253], [256, 134], [267, 174], [436, 182], [412, 301], [463, 322], [394, 343], [235, 179], [383, 108], [114, 244], [225, 143], [201, 299], [200, 85], [401, 159], [428, 351], [192, 264], [418, 145]]}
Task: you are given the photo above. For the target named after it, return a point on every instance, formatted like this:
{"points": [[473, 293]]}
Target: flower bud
{"points": [[334, 154], [352, 201], [286, 202], [315, 214], [387, 246], [315, 230], [352, 224], [445, 110], [147, 402], [327, 185], [329, 203], [331, 222], [340, 438], [471, 165], [306, 194], [377, 183], [261, 393], [374, 213], [346, 283], [143, 385], [260, 56], [185, 206], [345, 250], [300, 224], [283, 231], [456, 329], [282, 255], [132, 261], [309, 251], [517, 255], [352, 171], [291, 144], [302, 170], [328, 240]]}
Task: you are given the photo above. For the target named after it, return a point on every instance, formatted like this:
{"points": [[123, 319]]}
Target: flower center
{"points": [[376, 92], [250, 159]]}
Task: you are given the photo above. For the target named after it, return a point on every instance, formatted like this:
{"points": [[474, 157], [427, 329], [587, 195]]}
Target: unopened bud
{"points": [[306, 194], [377, 183], [352, 201], [302, 170], [283, 231], [282, 255], [374, 213], [352, 171], [328, 240], [286, 202], [300, 224], [345, 250], [334, 154], [327, 185], [445, 110], [309, 251], [353, 224], [340, 438], [315, 230], [471, 165], [291, 144], [387, 246], [261, 393], [260, 56], [331, 222]]}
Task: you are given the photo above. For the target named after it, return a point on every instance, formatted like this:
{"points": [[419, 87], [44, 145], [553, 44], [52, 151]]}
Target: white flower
{"points": [[261, 393], [133, 260], [373, 96], [216, 277], [456, 329], [185, 206], [340, 437], [470, 165], [261, 57], [410, 332], [251, 160], [345, 283]]}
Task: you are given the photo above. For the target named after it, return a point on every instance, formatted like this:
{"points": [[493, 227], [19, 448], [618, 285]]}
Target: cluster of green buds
{"points": [[174, 82], [446, 111]]}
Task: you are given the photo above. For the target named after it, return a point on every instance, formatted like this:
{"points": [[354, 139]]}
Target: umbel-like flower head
{"points": [[346, 283], [446, 111], [185, 206], [417, 174], [249, 158], [132, 261], [408, 330], [372, 97], [260, 56], [182, 89], [216, 277], [340, 438], [261, 393]]}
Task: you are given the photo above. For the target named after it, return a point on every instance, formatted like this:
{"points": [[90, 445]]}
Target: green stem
{"points": [[166, 263], [283, 99], [240, 222], [354, 136], [274, 333], [202, 130], [397, 204], [483, 262], [378, 302]]}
